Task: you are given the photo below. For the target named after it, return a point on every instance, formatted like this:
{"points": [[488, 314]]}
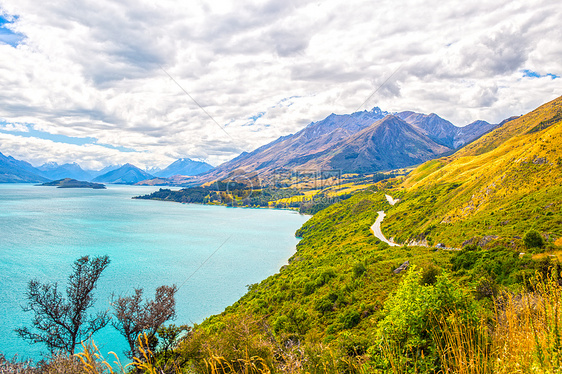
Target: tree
{"points": [[134, 316], [62, 323]]}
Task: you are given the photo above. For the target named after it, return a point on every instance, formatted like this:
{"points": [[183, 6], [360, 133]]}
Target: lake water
{"points": [[150, 243]]}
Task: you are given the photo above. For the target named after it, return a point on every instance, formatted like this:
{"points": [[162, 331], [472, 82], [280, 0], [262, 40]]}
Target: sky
{"points": [[102, 82]]}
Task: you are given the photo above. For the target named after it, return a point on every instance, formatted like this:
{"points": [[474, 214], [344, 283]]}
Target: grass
{"points": [[503, 184]]}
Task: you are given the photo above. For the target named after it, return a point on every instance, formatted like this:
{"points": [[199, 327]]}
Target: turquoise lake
{"points": [[150, 243]]}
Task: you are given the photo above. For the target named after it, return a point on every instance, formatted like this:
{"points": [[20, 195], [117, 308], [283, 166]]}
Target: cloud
{"points": [[89, 79]]}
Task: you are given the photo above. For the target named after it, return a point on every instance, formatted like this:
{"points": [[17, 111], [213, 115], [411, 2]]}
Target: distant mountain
{"points": [[126, 174], [107, 169], [444, 132], [16, 171], [472, 131], [54, 171], [387, 144], [153, 170], [184, 166]]}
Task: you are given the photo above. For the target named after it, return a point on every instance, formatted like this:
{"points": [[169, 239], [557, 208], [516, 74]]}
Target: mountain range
{"points": [[16, 171], [54, 171], [184, 166], [361, 142], [366, 141], [126, 174]]}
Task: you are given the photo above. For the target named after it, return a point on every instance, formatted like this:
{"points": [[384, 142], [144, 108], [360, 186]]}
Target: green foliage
{"points": [[358, 269], [334, 287], [350, 319], [499, 265], [429, 275], [533, 239], [410, 316]]}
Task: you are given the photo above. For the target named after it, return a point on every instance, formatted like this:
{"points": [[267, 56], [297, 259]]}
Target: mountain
{"points": [[107, 169], [16, 171], [389, 143], [300, 147], [54, 171], [503, 184], [444, 132], [184, 166], [126, 174], [335, 143], [153, 170]]}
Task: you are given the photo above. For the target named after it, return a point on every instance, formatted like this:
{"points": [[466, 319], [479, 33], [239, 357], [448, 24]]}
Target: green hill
{"points": [[500, 186]]}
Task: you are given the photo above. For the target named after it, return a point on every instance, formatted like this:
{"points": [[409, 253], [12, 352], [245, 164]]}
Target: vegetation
{"points": [[73, 183], [303, 192], [493, 190], [135, 316], [62, 323]]}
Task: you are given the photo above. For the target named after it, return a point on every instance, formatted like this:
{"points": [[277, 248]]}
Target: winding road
{"points": [[377, 230]]}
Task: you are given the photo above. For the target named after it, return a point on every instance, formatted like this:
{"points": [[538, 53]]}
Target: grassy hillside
{"points": [[501, 185], [340, 270], [330, 295]]}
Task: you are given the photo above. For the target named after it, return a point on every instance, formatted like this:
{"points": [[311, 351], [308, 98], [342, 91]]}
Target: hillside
{"points": [[499, 186], [340, 301]]}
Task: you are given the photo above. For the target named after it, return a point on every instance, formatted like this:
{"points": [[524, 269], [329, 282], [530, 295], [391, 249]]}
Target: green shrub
{"points": [[350, 319], [324, 305], [358, 269], [429, 275], [410, 314], [533, 239]]}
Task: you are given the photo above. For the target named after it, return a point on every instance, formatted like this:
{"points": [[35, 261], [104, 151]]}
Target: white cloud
{"points": [[95, 70]]}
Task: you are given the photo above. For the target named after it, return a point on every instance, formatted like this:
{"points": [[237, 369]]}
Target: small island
{"points": [[73, 183]]}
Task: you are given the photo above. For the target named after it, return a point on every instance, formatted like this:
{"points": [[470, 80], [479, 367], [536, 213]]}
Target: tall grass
{"points": [[523, 336]]}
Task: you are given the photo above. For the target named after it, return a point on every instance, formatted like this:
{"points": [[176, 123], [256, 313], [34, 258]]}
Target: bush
{"points": [[411, 313], [358, 269], [429, 276], [533, 239], [350, 319]]}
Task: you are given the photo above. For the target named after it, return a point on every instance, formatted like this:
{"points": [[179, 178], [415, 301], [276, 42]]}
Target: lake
{"points": [[43, 230]]}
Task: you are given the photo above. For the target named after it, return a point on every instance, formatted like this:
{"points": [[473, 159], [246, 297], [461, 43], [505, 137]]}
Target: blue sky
{"points": [[533, 74], [90, 82], [7, 36]]}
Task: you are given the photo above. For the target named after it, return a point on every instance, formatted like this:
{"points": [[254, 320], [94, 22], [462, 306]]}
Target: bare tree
{"points": [[62, 323], [134, 316]]}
